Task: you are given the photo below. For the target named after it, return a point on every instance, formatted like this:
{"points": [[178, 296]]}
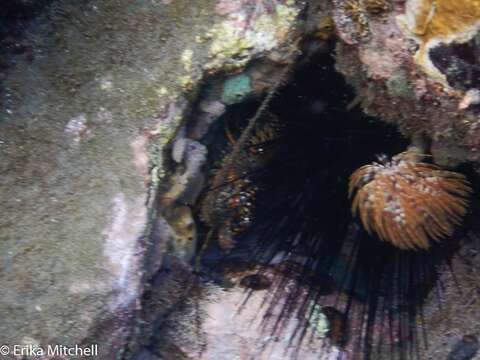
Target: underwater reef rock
{"points": [[415, 64], [465, 349], [84, 124], [94, 98], [214, 324]]}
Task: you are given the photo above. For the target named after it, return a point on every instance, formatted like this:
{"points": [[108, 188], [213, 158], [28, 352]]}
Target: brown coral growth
{"points": [[356, 12], [325, 28], [408, 202], [375, 7]]}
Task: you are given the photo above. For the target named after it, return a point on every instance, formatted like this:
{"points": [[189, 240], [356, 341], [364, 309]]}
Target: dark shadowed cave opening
{"points": [[298, 219], [278, 219]]}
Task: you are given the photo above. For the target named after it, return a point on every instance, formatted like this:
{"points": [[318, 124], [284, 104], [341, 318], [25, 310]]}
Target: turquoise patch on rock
{"points": [[236, 89]]}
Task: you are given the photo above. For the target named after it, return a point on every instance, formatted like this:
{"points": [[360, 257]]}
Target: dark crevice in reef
{"points": [[300, 219], [283, 205], [14, 14], [15, 17], [459, 63]]}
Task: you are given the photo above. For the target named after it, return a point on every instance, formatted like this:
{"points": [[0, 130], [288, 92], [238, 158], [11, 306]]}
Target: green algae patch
{"points": [[236, 89]]}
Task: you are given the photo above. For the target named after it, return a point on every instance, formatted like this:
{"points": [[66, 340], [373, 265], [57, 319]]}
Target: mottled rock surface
{"points": [[216, 322], [85, 115], [78, 123], [413, 63]]}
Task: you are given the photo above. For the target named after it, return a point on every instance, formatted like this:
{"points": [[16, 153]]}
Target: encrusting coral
{"points": [[375, 6], [433, 23], [408, 202]]}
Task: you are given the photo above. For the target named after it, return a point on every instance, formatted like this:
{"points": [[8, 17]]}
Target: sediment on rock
{"points": [[117, 117]]}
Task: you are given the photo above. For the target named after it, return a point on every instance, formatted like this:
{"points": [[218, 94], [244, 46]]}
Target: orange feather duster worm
{"points": [[408, 202]]}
